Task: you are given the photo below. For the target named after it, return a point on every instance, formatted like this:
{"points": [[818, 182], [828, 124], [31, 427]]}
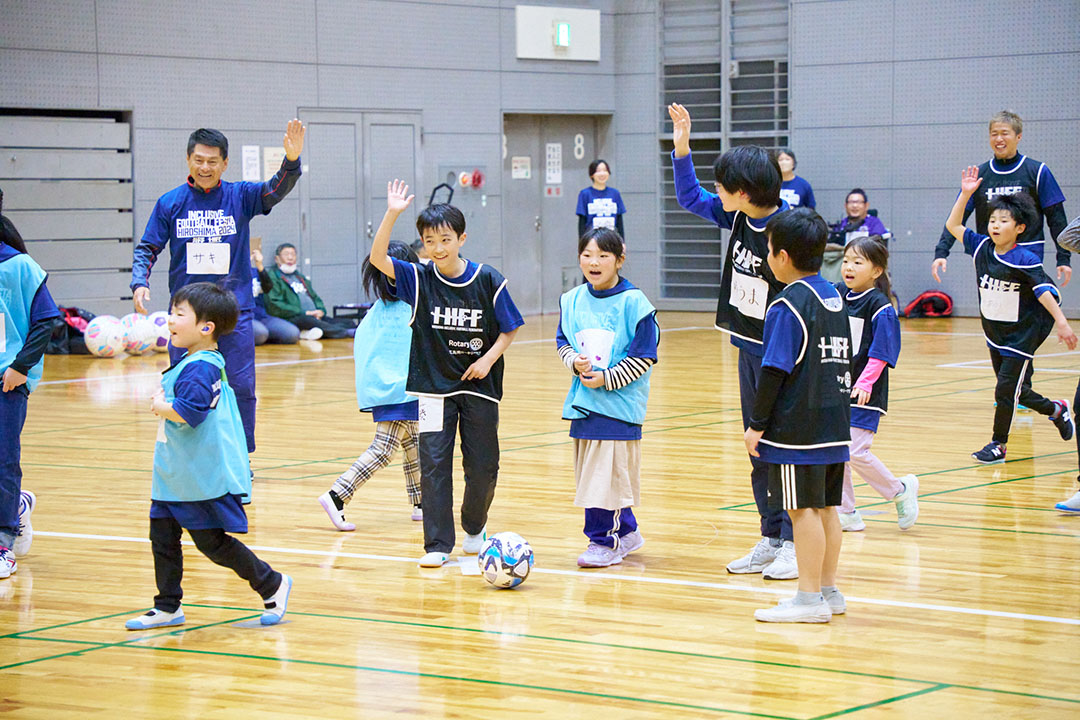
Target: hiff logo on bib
{"points": [[457, 318], [992, 283], [991, 193]]}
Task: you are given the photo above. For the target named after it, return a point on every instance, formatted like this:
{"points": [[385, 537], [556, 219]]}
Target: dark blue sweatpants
{"points": [[238, 348], [603, 526], [774, 523], [12, 417]]}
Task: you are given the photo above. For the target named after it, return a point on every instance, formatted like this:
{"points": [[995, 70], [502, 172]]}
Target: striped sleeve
{"points": [[567, 355], [626, 372]]}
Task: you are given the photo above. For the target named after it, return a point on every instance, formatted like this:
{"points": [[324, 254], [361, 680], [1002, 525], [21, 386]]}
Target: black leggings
{"points": [[1012, 388], [225, 550]]}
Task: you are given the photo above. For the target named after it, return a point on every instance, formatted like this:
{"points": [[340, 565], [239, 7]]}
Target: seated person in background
{"points": [[292, 297], [264, 327], [856, 223]]}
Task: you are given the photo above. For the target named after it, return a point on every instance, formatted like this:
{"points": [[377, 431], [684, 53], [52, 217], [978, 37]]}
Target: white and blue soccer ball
{"points": [[505, 559]]}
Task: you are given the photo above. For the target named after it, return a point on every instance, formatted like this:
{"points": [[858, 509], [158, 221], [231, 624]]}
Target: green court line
{"points": [[990, 505], [971, 487], [73, 622], [879, 703]]}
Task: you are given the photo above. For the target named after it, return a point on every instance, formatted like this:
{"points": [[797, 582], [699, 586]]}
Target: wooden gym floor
{"points": [[973, 612]]}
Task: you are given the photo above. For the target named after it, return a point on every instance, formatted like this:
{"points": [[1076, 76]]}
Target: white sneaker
{"points": [[434, 559], [1072, 505], [788, 611], [472, 543], [155, 619], [21, 546], [784, 567], [907, 502], [7, 563], [274, 608], [337, 517], [630, 542], [759, 558], [851, 522], [598, 556], [312, 334], [417, 513]]}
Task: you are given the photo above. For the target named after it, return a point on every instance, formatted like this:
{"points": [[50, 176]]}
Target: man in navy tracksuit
{"points": [[205, 224]]}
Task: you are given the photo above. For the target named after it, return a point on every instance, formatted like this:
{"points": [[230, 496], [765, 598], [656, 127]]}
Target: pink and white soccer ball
{"points": [[138, 334], [104, 336], [160, 322]]}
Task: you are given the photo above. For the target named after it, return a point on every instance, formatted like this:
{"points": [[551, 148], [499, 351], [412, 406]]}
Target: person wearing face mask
{"points": [[599, 205], [291, 296], [794, 190]]}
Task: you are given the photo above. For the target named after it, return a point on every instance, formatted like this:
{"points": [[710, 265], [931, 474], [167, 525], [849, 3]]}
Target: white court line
{"points": [[985, 362], [613, 576], [124, 378]]}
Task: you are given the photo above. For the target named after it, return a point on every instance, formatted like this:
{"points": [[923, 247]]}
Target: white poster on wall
{"points": [[250, 157], [521, 167], [272, 159], [553, 168]]}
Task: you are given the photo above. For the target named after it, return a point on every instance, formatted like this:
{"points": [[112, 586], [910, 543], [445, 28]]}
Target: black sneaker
{"points": [[992, 454], [1064, 422]]}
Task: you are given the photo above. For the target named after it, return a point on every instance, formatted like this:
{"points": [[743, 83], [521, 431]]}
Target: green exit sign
{"points": [[562, 34]]}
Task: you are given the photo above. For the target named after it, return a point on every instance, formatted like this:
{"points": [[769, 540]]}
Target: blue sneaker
{"points": [[156, 619], [1063, 421], [992, 454], [1071, 506], [276, 604]]}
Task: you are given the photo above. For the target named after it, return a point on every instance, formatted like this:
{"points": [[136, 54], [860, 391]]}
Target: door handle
{"points": [[370, 232], [538, 223]]}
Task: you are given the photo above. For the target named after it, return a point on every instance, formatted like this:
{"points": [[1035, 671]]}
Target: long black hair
{"points": [[8, 234], [874, 249], [377, 284]]}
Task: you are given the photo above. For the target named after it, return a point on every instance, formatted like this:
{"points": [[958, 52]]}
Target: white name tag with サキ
{"points": [[430, 414], [999, 305], [749, 294], [209, 258]]}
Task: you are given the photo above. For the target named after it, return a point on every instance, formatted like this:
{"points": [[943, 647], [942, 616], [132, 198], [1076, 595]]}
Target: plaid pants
{"points": [[388, 436]]}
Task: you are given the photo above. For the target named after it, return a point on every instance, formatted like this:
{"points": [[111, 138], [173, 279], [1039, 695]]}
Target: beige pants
{"points": [[608, 473]]}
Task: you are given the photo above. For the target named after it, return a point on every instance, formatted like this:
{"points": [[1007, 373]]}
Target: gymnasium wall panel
{"points": [[547, 92], [635, 45], [841, 95], [844, 31], [209, 29], [43, 79], [630, 115], [66, 25], [634, 164]]}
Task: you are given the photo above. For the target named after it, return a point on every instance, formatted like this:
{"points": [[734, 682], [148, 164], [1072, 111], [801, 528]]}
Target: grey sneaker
{"points": [[784, 567], [907, 502], [630, 542], [755, 561], [598, 556]]}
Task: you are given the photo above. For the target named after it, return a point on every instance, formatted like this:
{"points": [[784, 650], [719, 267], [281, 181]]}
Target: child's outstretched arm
{"points": [[680, 134], [1061, 324], [397, 199], [969, 183], [482, 366]]}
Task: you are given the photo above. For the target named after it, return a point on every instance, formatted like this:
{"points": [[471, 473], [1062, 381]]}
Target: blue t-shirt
{"points": [[796, 192], [195, 392], [506, 313], [643, 345], [600, 207], [784, 338]]}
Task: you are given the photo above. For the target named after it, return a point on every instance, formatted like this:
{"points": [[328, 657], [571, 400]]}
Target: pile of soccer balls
{"points": [[505, 559], [135, 334]]}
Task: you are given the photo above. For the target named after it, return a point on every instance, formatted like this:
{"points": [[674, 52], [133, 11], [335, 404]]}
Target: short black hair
{"points": [[375, 282], [857, 191], [790, 153], [753, 170], [802, 233], [283, 246], [210, 138], [1020, 206], [210, 303], [606, 239], [595, 165], [440, 215], [10, 236]]}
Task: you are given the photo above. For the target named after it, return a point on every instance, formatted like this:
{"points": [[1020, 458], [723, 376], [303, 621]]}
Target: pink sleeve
{"points": [[870, 374]]}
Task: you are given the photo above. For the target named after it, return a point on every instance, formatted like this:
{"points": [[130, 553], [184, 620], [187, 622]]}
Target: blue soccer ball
{"points": [[505, 559]]}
